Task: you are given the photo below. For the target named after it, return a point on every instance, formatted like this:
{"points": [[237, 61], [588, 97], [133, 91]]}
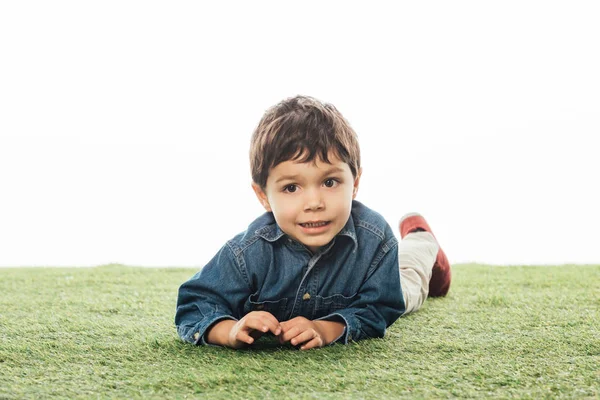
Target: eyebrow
{"points": [[287, 178], [295, 177], [333, 170]]}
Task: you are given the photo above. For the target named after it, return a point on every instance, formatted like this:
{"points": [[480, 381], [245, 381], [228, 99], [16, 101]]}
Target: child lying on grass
{"points": [[318, 267]]}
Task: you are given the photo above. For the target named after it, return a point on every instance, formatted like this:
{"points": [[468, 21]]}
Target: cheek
{"points": [[288, 214], [284, 209], [342, 201], [348, 193]]}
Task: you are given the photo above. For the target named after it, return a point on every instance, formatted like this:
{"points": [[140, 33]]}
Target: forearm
{"points": [[330, 330], [203, 301], [219, 333]]}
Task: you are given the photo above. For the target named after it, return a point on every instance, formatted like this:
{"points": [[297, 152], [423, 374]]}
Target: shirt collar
{"points": [[350, 231], [271, 232]]}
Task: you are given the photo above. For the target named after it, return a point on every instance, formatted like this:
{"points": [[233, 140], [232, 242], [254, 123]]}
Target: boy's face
{"points": [[311, 201]]}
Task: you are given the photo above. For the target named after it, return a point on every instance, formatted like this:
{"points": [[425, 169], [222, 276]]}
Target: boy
{"points": [[318, 267]]}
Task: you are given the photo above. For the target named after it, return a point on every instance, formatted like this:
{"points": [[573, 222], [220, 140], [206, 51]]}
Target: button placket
{"points": [[306, 285], [312, 288]]}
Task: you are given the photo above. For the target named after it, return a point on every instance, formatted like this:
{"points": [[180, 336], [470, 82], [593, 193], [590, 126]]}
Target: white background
{"points": [[124, 125]]}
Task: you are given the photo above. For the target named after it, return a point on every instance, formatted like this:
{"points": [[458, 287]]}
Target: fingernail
{"points": [[278, 331], [294, 342], [264, 329]]}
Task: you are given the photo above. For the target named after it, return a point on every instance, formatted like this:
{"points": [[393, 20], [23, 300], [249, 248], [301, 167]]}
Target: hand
{"points": [[251, 327], [303, 331]]}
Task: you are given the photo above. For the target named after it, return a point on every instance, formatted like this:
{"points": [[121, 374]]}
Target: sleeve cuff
{"points": [[196, 334], [351, 331]]}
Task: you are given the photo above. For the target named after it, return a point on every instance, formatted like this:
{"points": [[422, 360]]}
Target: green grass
{"points": [[107, 332]]}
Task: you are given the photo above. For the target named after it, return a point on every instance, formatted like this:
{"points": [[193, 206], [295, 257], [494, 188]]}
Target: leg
{"points": [[424, 267], [416, 256]]}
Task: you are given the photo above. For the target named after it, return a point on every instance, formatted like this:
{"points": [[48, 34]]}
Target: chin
{"points": [[319, 243]]}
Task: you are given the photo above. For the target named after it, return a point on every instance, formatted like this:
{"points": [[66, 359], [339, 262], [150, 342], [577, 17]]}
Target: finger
{"points": [[267, 319], [281, 338], [244, 337], [304, 336], [272, 324], [255, 323], [285, 326], [290, 323], [314, 343], [267, 315], [291, 333]]}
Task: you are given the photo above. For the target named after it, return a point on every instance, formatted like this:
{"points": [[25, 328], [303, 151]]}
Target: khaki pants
{"points": [[416, 255]]}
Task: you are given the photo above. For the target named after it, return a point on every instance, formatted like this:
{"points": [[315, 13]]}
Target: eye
{"points": [[331, 182], [290, 188]]}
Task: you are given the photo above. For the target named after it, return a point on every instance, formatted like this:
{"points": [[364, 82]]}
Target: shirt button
{"points": [[196, 335], [306, 296]]}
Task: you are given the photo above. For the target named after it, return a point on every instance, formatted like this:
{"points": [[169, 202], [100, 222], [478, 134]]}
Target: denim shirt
{"points": [[354, 279]]}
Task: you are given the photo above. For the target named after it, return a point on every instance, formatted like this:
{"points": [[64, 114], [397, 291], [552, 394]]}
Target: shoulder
{"points": [[368, 220], [263, 227]]}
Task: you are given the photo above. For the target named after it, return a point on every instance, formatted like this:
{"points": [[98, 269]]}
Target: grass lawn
{"points": [[526, 332]]}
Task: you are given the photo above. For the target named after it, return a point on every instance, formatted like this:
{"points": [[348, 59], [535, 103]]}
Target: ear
{"points": [[356, 182], [261, 196]]}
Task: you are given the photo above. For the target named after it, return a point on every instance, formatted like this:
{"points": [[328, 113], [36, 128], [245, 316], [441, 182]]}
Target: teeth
{"points": [[314, 224]]}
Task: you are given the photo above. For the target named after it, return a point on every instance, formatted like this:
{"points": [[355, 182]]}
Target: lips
{"points": [[315, 224]]}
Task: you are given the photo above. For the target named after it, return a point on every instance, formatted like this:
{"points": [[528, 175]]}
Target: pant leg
{"points": [[416, 255]]}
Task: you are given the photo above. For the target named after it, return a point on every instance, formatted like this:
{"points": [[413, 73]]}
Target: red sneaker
{"points": [[441, 273]]}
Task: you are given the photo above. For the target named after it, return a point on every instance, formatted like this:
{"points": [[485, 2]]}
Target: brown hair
{"points": [[301, 128]]}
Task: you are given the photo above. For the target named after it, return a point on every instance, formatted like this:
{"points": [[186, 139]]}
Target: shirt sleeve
{"points": [[379, 301], [217, 292]]}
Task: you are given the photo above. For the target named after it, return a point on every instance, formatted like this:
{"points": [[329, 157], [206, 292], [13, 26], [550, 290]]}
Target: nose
{"points": [[314, 200]]}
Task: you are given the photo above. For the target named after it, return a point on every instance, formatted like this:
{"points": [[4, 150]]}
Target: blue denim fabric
{"points": [[354, 279]]}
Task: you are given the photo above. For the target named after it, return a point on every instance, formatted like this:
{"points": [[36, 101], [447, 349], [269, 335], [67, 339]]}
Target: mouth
{"points": [[315, 228], [315, 224]]}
